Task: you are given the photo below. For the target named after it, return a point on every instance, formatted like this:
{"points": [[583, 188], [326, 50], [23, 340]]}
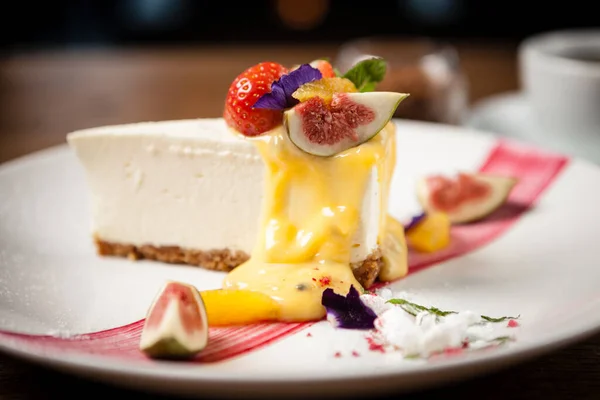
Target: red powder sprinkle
{"points": [[355, 353], [453, 351], [324, 281], [309, 334], [512, 323], [314, 279], [337, 354], [374, 346], [465, 344]]}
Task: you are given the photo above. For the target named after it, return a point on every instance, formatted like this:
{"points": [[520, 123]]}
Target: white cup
{"points": [[560, 77]]}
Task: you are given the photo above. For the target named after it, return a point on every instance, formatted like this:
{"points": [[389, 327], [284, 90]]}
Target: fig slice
{"points": [[324, 128], [176, 324], [466, 198]]}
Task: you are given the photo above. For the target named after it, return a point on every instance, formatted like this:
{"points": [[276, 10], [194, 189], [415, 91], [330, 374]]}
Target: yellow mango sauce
{"points": [[311, 211]]}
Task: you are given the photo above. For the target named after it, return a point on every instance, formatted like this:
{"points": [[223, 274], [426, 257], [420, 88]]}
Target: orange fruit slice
{"points": [[238, 307], [324, 88], [431, 234]]}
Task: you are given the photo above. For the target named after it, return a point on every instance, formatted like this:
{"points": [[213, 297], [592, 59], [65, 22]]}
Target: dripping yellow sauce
{"points": [[311, 213]]}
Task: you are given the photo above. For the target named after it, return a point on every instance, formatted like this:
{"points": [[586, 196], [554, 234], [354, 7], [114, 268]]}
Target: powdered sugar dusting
{"points": [[376, 303], [62, 334], [423, 332]]}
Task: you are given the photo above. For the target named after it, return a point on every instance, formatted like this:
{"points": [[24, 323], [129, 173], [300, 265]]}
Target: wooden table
{"points": [[45, 95]]}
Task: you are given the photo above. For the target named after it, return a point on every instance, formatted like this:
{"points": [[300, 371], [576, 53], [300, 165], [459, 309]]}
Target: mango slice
{"points": [[430, 234], [225, 307]]}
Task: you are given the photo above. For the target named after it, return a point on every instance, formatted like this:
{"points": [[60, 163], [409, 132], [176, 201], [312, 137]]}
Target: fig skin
{"points": [[169, 349], [170, 337], [475, 209]]}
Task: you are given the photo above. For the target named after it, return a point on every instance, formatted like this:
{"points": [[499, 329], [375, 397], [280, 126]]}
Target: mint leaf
{"points": [[413, 309], [499, 319], [502, 339], [368, 87], [366, 74]]}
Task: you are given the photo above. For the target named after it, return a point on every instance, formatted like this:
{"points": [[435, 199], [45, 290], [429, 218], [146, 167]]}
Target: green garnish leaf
{"points": [[499, 319], [337, 72], [413, 309], [503, 339], [366, 74], [368, 87]]}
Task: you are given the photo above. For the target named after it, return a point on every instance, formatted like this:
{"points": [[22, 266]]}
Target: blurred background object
{"points": [[71, 64], [430, 71], [558, 102]]}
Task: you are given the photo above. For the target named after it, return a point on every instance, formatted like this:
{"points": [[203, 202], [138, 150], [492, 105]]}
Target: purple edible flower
{"points": [[414, 221], [282, 89], [348, 312]]}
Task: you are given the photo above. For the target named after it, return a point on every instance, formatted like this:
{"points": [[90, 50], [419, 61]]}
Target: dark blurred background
{"points": [[85, 23], [72, 64]]}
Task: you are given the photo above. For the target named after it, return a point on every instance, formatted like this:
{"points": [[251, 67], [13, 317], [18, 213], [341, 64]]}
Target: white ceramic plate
{"points": [[540, 262]]}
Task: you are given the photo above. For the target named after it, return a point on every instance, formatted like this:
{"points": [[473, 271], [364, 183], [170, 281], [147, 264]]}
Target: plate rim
{"points": [[191, 372]]}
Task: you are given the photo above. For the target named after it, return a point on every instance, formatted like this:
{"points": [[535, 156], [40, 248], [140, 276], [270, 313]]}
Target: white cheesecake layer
{"points": [[188, 183]]}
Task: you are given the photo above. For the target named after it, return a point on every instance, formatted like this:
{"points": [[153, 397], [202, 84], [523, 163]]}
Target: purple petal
{"points": [[348, 312], [282, 89], [414, 221], [275, 100]]}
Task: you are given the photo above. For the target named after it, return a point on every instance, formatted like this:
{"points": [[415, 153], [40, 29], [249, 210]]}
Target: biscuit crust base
{"points": [[366, 271]]}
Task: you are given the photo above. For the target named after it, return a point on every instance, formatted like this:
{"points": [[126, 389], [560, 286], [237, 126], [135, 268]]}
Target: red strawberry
{"points": [[244, 91], [325, 67]]}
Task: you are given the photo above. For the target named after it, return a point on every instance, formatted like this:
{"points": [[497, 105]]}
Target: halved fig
{"points": [[466, 197], [176, 325], [324, 128]]}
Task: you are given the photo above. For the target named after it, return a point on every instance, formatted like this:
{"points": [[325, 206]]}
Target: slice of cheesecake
{"points": [[192, 192], [287, 193]]}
